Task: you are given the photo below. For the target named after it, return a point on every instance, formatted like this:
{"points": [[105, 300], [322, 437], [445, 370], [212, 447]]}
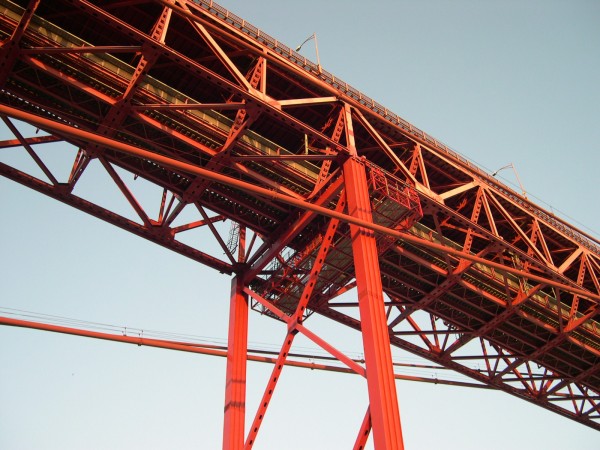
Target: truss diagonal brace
{"points": [[219, 53], [77, 133], [363, 434], [293, 322]]}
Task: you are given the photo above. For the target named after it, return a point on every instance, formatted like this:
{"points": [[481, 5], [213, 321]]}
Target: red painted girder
{"points": [[216, 49], [88, 49], [289, 230], [375, 111], [112, 121], [554, 389], [336, 134], [244, 117], [293, 322], [453, 277], [352, 365], [137, 207], [77, 133], [30, 150], [212, 152], [285, 158], [477, 375], [196, 224], [473, 288], [497, 321], [359, 106], [436, 208], [296, 102], [389, 152], [110, 100], [269, 391], [9, 52], [268, 106], [215, 233], [491, 325], [232, 106], [292, 229], [151, 233], [29, 141], [229, 32], [69, 79]]}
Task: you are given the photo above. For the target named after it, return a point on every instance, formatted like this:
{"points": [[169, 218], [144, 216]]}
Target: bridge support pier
{"points": [[385, 413], [235, 388], [237, 350]]}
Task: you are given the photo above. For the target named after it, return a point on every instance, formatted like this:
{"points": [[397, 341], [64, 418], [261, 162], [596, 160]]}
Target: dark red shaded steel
{"points": [[231, 123], [169, 162]]}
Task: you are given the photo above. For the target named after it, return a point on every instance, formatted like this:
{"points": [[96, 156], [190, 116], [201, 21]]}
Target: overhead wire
{"points": [[424, 372]]}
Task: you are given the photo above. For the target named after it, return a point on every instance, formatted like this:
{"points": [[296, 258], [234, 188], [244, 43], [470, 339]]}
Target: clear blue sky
{"points": [[500, 82]]}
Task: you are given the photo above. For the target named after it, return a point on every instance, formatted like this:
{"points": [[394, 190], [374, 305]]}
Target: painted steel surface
{"points": [[232, 124]]}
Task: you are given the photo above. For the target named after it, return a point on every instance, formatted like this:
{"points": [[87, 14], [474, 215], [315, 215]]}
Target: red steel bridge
{"points": [[327, 192]]}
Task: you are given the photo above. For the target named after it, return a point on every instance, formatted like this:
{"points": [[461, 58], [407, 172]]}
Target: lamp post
{"points": [[312, 36], [512, 166]]}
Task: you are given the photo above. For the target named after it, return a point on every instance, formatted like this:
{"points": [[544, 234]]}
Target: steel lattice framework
{"points": [[328, 192]]}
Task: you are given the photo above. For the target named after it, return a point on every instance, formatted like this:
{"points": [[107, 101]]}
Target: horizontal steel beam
{"points": [[64, 129]]}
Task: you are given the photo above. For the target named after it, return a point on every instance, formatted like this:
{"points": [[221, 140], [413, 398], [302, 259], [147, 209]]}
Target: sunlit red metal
{"points": [[330, 192], [235, 382]]}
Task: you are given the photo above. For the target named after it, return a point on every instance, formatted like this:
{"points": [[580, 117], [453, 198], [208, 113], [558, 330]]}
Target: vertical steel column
{"points": [[385, 414], [237, 350]]}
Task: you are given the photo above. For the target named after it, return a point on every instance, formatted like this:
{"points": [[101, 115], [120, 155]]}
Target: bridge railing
{"points": [[250, 30]]}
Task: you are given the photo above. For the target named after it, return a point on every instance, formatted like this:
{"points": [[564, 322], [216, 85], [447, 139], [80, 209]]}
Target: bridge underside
{"points": [[320, 185]]}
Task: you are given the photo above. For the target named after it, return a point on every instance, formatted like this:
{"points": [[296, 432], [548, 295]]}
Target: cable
{"points": [[410, 364]]}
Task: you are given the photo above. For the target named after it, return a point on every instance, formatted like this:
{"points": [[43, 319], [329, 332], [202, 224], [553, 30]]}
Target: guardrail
{"points": [[250, 30]]}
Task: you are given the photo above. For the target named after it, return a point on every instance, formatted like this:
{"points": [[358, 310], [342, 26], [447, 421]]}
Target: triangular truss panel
{"points": [[264, 166]]}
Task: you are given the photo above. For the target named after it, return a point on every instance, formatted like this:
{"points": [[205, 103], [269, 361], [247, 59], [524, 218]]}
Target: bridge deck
{"points": [[514, 289]]}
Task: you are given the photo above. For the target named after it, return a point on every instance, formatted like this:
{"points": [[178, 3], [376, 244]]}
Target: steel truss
{"points": [[330, 193]]}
